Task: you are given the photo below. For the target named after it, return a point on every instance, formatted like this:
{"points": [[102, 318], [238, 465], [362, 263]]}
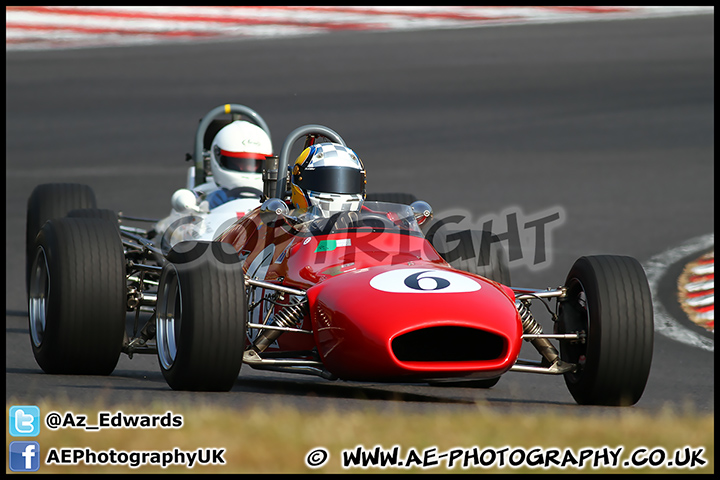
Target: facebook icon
{"points": [[24, 456]]}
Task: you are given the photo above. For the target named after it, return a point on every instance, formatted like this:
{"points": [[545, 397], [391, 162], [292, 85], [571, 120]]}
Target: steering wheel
{"points": [[377, 221]]}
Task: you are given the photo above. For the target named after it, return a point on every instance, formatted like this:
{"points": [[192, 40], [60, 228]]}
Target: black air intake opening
{"points": [[448, 344]]}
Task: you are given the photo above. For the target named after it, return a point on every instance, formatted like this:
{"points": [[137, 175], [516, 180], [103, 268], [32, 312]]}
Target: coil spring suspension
{"points": [[287, 317], [531, 326], [292, 314]]}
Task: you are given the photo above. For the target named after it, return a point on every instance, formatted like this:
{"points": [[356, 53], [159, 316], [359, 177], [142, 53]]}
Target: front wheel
{"points": [[201, 317], [77, 296], [608, 298]]}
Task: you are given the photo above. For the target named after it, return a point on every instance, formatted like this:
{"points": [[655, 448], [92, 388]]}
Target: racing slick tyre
{"points": [[201, 316], [49, 201], [96, 213], [77, 296], [392, 197], [491, 260], [608, 297]]}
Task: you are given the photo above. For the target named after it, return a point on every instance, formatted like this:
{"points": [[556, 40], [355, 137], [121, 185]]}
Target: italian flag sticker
{"points": [[330, 245]]}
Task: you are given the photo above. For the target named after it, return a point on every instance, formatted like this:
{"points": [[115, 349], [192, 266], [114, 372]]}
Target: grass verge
{"points": [[279, 439]]}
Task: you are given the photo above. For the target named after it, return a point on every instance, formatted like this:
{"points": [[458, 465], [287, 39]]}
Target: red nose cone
{"points": [[402, 323]]}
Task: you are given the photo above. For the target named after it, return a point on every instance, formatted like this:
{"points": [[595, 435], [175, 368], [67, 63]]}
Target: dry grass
{"points": [[277, 439]]}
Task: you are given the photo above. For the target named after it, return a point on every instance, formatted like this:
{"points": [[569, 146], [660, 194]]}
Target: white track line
{"points": [[655, 268]]}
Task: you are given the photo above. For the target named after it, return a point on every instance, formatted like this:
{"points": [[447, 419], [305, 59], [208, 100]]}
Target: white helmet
{"points": [[237, 154], [328, 176]]}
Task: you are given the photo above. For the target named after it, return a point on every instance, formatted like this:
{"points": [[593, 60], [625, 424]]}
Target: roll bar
{"points": [[294, 136]]}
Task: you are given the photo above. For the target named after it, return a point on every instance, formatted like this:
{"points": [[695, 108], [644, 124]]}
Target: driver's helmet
{"points": [[330, 177], [237, 154]]}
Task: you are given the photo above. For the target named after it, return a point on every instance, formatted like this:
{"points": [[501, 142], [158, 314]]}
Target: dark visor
{"points": [[343, 180], [241, 161]]}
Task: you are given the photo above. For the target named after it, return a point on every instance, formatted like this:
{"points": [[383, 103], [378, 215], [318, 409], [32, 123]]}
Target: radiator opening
{"points": [[448, 344]]}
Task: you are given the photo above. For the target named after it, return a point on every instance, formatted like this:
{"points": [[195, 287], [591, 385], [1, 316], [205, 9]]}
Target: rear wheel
{"points": [[608, 297], [201, 317], [77, 297], [49, 201]]}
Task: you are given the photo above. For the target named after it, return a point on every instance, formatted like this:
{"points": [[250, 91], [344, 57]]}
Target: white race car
{"points": [[217, 194]]}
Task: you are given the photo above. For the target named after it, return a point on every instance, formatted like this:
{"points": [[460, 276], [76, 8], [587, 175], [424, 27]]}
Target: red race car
{"points": [[323, 279], [358, 293]]}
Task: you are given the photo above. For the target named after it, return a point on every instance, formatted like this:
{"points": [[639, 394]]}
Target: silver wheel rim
{"points": [[582, 302], [169, 318], [38, 297]]}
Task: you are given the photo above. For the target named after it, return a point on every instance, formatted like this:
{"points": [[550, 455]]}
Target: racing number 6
{"points": [[413, 281]]}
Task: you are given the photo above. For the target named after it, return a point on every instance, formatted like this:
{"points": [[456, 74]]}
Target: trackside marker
{"points": [[655, 268]]}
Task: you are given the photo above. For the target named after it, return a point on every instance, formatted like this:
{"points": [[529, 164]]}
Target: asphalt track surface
{"points": [[610, 121]]}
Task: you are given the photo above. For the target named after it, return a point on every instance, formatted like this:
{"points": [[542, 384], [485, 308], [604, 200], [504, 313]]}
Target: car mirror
{"points": [[422, 210]]}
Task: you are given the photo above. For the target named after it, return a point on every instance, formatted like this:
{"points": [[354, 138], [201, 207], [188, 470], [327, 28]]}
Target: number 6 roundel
{"points": [[422, 280]]}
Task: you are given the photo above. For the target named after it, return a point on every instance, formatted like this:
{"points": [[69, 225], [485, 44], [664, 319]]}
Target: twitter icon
{"points": [[24, 421]]}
